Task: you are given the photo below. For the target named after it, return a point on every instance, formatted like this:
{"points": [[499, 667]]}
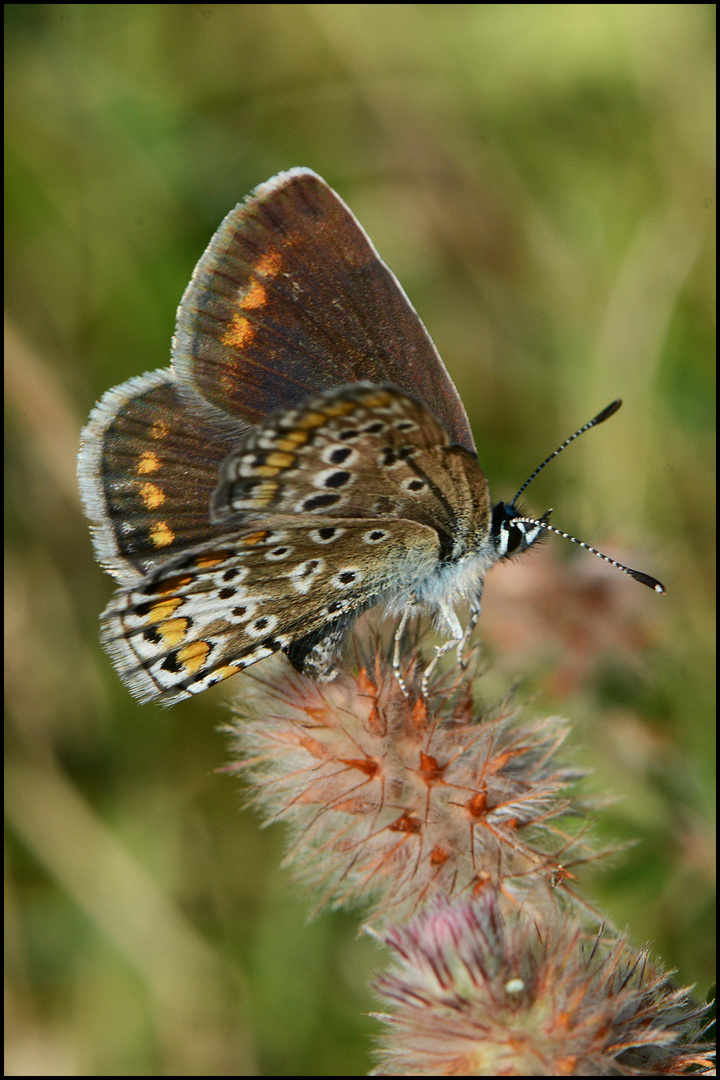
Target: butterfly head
{"points": [[512, 533]]}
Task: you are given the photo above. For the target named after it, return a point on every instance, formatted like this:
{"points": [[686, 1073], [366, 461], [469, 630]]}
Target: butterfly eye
{"points": [[516, 539]]}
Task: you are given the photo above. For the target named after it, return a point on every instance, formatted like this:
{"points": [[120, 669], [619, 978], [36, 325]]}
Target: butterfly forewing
{"points": [[358, 451], [290, 298]]}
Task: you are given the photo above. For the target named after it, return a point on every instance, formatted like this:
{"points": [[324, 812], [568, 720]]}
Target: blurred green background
{"points": [[541, 180]]}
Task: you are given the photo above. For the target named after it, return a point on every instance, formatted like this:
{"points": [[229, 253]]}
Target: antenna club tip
{"points": [[651, 582], [608, 411]]}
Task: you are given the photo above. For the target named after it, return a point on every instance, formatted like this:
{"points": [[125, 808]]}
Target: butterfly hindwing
{"points": [[148, 466], [217, 609]]}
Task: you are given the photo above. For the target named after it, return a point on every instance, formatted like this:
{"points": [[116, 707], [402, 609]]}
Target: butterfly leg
{"points": [[472, 623], [439, 651], [455, 640], [404, 618]]}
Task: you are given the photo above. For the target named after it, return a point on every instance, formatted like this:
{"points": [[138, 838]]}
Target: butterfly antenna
{"points": [[644, 579], [607, 412]]}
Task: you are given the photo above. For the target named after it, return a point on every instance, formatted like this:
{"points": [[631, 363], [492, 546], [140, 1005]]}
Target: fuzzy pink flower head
{"points": [[484, 988]]}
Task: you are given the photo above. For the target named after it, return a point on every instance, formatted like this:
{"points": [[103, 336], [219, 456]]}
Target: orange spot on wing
{"points": [[278, 460], [224, 673], [172, 584], [193, 656], [292, 440], [269, 264], [239, 333], [255, 297], [152, 496], [162, 611], [159, 430], [264, 493], [376, 399], [311, 420], [173, 631], [254, 538], [161, 534], [340, 408], [206, 562], [148, 462]]}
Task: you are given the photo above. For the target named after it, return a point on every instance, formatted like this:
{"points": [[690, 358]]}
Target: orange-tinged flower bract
{"points": [[485, 988], [393, 800]]}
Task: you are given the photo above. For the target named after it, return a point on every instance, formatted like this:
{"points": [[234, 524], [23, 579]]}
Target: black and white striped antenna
{"points": [[512, 517]]}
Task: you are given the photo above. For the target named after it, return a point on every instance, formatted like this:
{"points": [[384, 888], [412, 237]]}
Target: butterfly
{"points": [[305, 457]]}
